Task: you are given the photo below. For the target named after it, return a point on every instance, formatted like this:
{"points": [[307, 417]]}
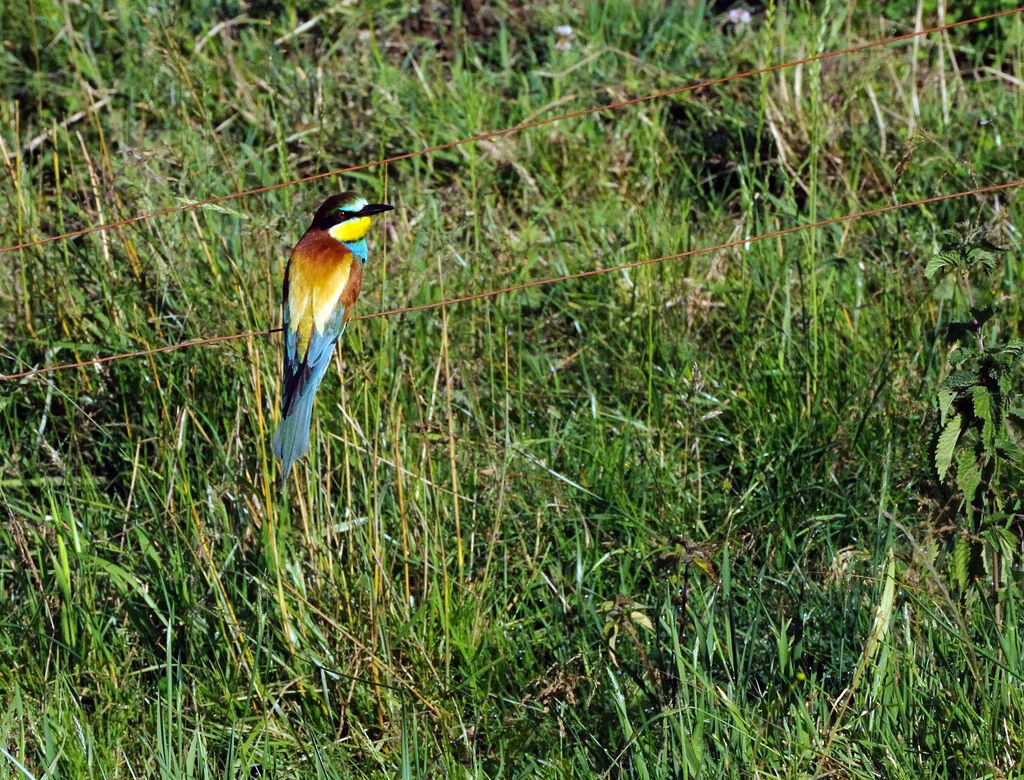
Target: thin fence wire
{"points": [[535, 283], [514, 129]]}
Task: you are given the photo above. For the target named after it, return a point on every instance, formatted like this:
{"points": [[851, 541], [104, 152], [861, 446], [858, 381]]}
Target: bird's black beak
{"points": [[374, 208]]}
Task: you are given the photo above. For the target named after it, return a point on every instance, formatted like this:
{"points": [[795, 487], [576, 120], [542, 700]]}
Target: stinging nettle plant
{"points": [[981, 419]]}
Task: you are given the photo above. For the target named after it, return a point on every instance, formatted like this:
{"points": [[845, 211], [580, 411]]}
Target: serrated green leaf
{"points": [[962, 354], [1005, 383], [1015, 421], [1014, 347], [945, 400], [983, 402], [984, 410], [961, 380], [982, 257], [946, 444], [1008, 542], [943, 261], [1001, 359], [960, 561], [968, 478], [1011, 452]]}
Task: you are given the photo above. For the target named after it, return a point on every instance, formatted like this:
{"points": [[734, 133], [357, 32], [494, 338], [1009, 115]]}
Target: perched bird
{"points": [[321, 284]]}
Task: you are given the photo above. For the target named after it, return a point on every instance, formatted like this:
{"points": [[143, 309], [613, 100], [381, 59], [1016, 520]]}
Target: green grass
{"points": [[676, 521]]}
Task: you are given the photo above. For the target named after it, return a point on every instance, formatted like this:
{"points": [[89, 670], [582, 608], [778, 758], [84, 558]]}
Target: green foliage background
{"points": [[676, 521]]}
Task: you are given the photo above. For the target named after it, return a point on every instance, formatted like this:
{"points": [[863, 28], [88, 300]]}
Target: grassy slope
{"points": [[711, 465]]}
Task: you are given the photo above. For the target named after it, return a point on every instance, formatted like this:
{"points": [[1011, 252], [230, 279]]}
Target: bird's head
{"points": [[346, 217]]}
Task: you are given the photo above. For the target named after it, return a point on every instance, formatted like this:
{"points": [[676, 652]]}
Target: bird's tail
{"points": [[292, 437]]}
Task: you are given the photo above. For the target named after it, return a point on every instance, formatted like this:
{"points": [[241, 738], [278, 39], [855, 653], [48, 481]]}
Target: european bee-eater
{"points": [[321, 284]]}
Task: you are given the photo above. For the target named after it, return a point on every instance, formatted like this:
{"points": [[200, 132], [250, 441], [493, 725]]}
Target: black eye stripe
{"points": [[370, 209]]}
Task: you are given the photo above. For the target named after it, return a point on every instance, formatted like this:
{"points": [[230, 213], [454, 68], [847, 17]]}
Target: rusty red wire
{"points": [[508, 131], [537, 282]]}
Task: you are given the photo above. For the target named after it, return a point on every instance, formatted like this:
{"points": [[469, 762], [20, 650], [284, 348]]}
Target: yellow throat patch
{"points": [[350, 230]]}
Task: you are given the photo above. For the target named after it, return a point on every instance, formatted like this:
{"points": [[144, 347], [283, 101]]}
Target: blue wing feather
{"points": [[301, 380]]}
